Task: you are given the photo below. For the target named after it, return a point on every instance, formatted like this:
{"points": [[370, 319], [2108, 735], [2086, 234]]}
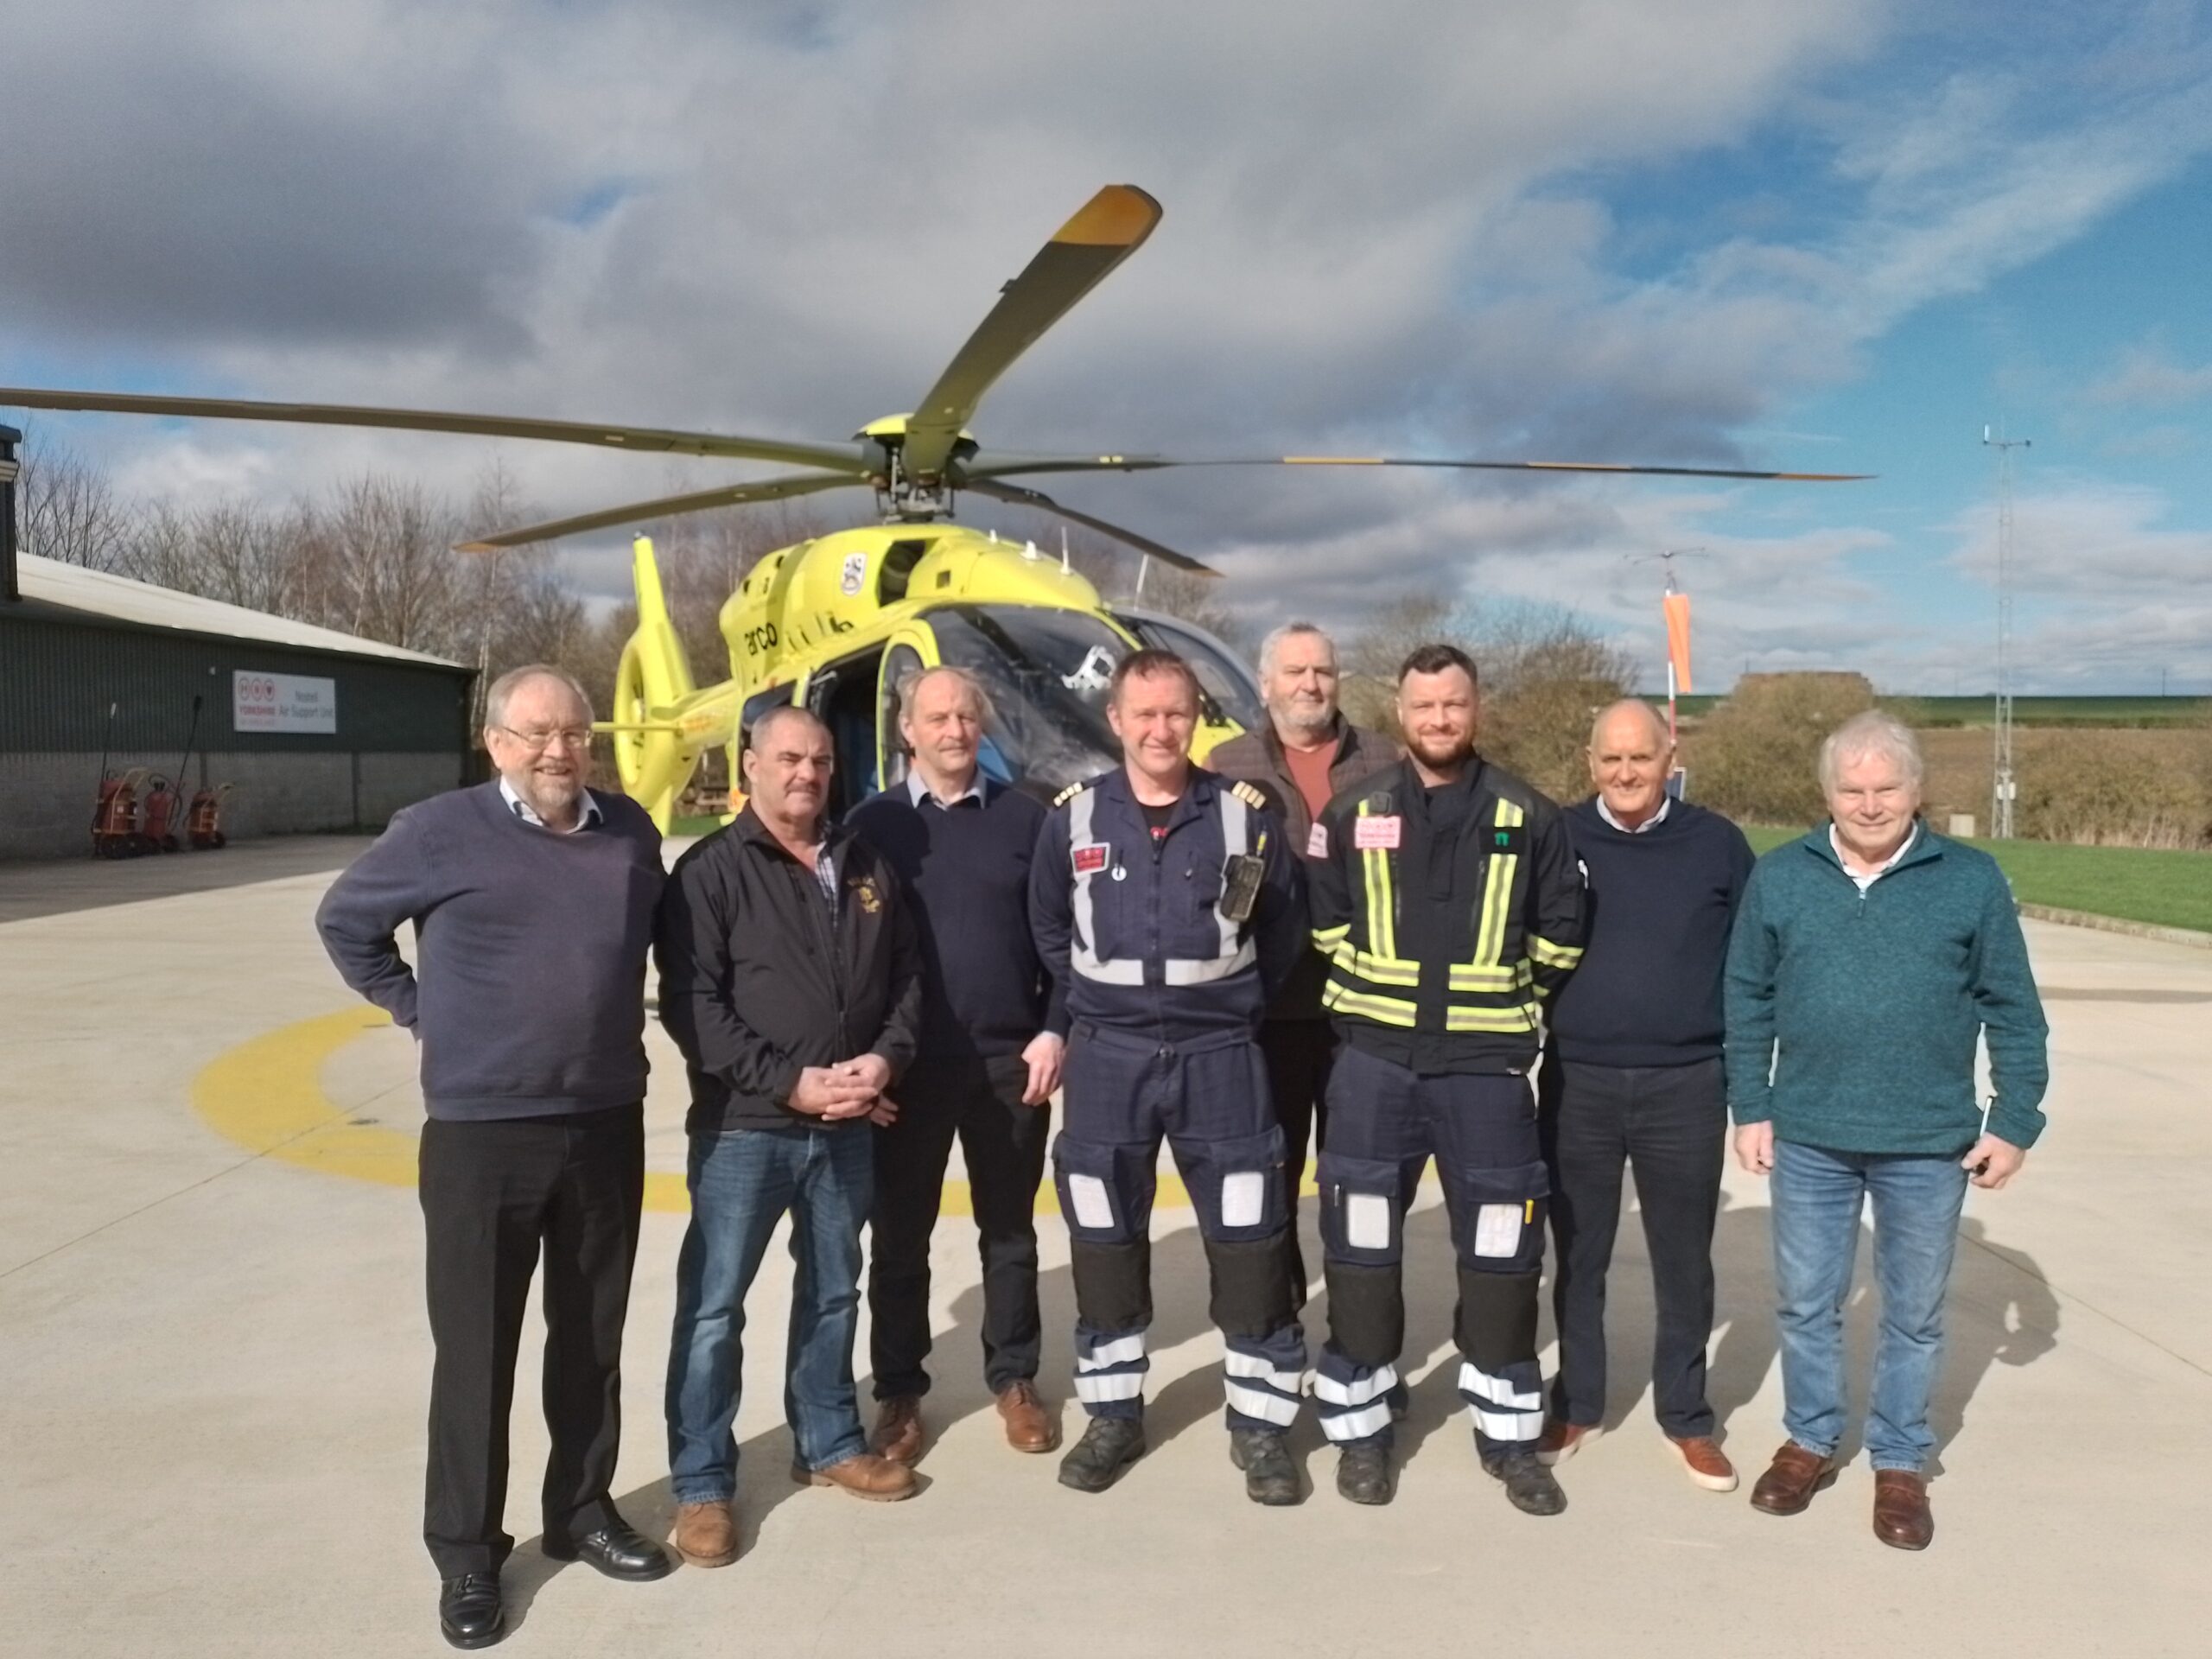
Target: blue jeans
{"points": [[742, 1183], [1817, 1195]]}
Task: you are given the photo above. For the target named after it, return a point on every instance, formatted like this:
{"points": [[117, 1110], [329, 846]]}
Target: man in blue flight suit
{"points": [[1165, 903]]}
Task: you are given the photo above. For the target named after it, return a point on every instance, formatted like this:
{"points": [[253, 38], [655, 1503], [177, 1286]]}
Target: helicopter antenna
{"points": [[1064, 550], [1144, 563]]}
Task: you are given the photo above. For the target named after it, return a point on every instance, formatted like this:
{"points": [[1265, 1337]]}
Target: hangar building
{"points": [[318, 731]]}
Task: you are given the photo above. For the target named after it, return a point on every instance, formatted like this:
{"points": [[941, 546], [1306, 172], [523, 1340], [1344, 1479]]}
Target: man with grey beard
{"points": [[1307, 752]]}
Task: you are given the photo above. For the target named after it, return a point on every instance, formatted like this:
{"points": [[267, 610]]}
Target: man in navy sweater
{"points": [[532, 898], [1634, 1076], [992, 1038]]}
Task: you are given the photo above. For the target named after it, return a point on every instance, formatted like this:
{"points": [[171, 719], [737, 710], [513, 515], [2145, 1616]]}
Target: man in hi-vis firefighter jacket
{"points": [[1448, 901]]}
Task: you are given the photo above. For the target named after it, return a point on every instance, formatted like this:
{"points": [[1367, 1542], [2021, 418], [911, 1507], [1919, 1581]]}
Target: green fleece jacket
{"points": [[1852, 1017]]}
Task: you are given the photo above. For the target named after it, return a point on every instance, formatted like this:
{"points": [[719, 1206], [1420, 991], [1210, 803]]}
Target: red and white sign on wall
{"points": [[282, 702]]}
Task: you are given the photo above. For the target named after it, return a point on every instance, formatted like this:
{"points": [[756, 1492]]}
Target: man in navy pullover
{"points": [[1634, 1076], [531, 898], [992, 1038]]}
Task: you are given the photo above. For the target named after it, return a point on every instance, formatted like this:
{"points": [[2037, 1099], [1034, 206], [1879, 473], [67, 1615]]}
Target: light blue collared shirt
{"points": [[588, 813], [918, 791]]}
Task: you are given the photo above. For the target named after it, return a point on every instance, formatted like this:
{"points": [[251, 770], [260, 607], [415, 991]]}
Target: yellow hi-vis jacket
{"points": [[1445, 919]]}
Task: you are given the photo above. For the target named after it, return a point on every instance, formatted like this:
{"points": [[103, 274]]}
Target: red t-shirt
{"points": [[1309, 769]]}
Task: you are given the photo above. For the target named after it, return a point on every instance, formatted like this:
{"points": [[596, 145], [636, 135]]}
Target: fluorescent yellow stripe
{"points": [[1467, 977], [1520, 1019], [1381, 922], [1554, 955], [1384, 971], [1326, 939], [1489, 935], [1384, 1010]]}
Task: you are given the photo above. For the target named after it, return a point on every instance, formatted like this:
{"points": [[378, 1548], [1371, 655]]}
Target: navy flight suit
{"points": [[1165, 995]]}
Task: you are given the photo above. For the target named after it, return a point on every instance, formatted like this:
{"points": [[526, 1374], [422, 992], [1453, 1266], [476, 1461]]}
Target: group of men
{"points": [[1400, 946]]}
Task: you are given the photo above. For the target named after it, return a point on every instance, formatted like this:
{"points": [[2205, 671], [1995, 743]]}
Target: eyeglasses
{"points": [[576, 737]]}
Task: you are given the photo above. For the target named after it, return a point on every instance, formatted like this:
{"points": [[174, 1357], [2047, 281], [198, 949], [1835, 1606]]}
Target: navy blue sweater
{"points": [[984, 991], [1660, 906], [528, 992]]}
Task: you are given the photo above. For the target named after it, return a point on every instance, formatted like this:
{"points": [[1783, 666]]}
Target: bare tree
{"points": [[69, 510]]}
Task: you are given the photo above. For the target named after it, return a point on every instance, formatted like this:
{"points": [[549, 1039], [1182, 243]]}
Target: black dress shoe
{"points": [[1529, 1487], [1270, 1474], [619, 1551], [469, 1611], [1108, 1446], [1363, 1473]]}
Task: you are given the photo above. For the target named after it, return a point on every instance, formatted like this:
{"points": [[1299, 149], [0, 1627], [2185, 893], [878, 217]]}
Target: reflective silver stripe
{"points": [[1267, 1407], [1122, 1385], [1235, 841], [1496, 1390], [1082, 954], [1509, 1425], [1120, 1352], [1356, 1394], [1256, 1366], [1356, 1424], [1177, 970]]}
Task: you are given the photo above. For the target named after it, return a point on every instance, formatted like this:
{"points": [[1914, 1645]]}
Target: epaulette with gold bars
{"points": [[1250, 795], [1073, 790]]}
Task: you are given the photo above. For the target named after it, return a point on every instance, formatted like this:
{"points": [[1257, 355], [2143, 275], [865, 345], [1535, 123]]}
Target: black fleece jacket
{"points": [[758, 979]]}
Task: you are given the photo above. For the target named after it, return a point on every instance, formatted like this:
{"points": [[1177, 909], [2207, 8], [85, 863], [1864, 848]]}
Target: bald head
{"points": [[1630, 758]]}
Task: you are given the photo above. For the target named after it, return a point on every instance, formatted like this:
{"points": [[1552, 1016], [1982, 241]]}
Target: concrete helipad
{"points": [[213, 1373]]}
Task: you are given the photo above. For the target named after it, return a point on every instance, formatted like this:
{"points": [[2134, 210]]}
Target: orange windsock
{"points": [[1678, 637]]}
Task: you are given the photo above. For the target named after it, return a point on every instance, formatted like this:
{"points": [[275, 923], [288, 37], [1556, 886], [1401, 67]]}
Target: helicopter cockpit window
{"points": [[1226, 681], [1047, 672]]}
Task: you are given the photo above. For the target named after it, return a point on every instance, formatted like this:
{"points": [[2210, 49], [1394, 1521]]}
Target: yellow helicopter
{"points": [[838, 622]]}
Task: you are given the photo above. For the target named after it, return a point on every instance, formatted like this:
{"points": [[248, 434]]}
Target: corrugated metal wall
{"points": [[57, 679]]}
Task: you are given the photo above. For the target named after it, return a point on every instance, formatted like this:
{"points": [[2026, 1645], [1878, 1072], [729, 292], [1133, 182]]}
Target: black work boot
{"points": [[1108, 1446], [1528, 1485], [1264, 1454], [1364, 1475]]}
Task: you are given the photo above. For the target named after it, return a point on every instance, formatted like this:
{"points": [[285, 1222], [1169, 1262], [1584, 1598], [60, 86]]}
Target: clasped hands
{"points": [[851, 1088]]}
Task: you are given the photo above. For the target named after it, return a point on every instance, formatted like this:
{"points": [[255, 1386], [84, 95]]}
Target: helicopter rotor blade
{"points": [[1015, 495], [1107, 229], [650, 440], [638, 512], [1045, 464]]}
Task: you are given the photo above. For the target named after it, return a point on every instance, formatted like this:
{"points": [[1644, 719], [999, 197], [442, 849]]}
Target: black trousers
{"points": [[1002, 1142], [1670, 1122], [493, 1194], [1299, 1054]]}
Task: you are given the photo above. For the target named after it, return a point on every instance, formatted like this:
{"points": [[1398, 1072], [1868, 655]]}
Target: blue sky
{"points": [[1837, 235]]}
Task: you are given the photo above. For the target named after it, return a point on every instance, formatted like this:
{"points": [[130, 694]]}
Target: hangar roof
{"points": [[119, 599]]}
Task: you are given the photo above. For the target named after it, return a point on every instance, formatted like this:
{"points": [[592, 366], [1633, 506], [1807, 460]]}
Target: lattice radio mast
{"points": [[2004, 786]]}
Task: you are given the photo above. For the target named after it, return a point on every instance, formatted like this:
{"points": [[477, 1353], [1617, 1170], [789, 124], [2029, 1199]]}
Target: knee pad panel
{"points": [[1252, 1294], [1367, 1312], [1112, 1283], [1496, 1323]]}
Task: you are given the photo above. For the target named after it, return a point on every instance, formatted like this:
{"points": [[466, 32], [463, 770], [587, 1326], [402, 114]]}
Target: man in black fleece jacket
{"points": [[531, 898], [791, 977], [1635, 1074]]}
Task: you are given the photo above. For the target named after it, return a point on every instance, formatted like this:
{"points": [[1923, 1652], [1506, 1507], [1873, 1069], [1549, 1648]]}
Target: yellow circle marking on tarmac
{"points": [[266, 1095]]}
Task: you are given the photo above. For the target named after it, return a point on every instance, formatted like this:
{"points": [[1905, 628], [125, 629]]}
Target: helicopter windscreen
{"points": [[1046, 672], [1227, 684]]}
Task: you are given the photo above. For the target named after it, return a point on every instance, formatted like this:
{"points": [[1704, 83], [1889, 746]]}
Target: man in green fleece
{"points": [[1866, 959]]}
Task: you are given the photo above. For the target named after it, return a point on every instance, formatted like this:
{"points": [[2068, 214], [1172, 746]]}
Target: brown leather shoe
{"points": [[1902, 1517], [1029, 1425], [864, 1475], [1561, 1440], [1791, 1479], [706, 1533], [1706, 1463], [898, 1428]]}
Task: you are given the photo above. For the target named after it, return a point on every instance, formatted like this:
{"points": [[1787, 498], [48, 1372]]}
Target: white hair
{"points": [[910, 684], [1872, 733], [503, 689], [1273, 643], [1658, 721]]}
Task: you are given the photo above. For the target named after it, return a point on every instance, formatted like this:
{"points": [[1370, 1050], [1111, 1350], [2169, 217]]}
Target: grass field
{"points": [[2137, 884], [2026, 711]]}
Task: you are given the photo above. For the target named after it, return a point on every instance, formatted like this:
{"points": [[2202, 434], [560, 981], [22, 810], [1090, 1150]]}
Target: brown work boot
{"points": [[899, 1428], [864, 1475], [1706, 1463], [1791, 1479], [1029, 1425], [1561, 1440], [1902, 1517], [706, 1533]]}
